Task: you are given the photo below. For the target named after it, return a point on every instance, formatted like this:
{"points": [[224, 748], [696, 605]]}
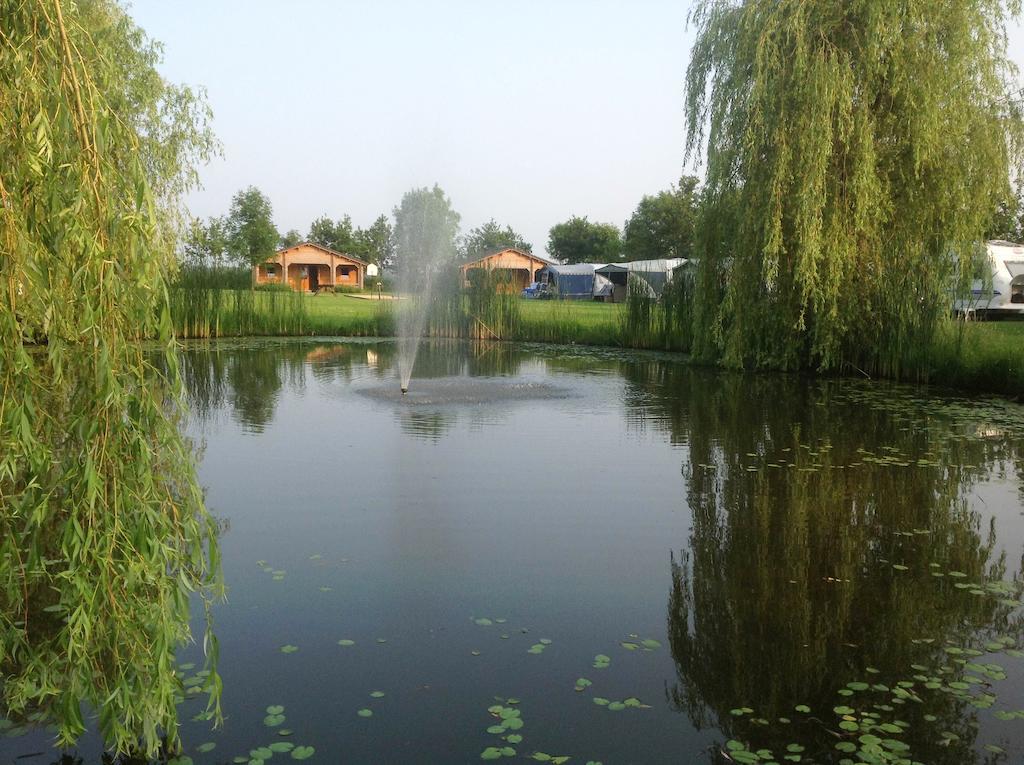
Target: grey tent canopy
{"points": [[648, 276]]}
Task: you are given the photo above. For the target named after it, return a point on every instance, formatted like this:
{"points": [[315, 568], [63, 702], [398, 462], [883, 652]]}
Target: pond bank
{"points": [[981, 357]]}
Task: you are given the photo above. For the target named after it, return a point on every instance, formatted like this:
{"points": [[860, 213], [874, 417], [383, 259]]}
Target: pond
{"points": [[549, 552]]}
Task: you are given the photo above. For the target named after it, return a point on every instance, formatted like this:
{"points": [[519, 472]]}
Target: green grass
{"points": [[570, 321], [339, 314], [980, 356]]}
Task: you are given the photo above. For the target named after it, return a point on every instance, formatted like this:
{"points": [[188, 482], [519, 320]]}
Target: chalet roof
{"points": [[325, 249], [500, 250]]}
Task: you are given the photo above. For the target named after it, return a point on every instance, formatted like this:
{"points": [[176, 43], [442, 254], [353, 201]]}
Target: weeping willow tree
{"points": [[103, 531], [855, 151]]}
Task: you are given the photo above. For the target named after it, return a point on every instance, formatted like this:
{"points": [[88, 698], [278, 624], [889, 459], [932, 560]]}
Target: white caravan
{"points": [[1002, 294]]}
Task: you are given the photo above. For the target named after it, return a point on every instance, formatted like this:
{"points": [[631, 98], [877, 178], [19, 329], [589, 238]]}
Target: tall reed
{"points": [[208, 302]]}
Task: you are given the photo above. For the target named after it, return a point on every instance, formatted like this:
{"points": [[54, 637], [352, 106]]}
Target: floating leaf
{"points": [[365, 712], [346, 642], [289, 648], [303, 752]]}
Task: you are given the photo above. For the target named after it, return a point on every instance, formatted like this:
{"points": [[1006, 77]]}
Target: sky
{"points": [[527, 112]]}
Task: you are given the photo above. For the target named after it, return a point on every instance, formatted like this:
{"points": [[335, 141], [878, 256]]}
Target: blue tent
{"points": [[575, 281]]}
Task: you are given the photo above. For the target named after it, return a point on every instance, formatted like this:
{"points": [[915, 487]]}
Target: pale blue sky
{"points": [[526, 111]]}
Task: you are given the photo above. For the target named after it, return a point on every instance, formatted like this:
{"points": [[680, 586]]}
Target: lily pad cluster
{"points": [[276, 574], [636, 643], [617, 706], [539, 646], [366, 711], [488, 621], [601, 661], [508, 722]]}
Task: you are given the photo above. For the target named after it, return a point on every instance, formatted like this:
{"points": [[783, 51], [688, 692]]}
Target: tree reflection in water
{"points": [[787, 590]]}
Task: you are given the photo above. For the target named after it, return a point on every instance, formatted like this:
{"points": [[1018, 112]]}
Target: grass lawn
{"points": [[981, 355], [338, 314], [541, 320]]}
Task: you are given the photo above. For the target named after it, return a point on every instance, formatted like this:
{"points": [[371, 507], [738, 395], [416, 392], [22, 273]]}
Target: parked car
{"points": [[535, 290]]}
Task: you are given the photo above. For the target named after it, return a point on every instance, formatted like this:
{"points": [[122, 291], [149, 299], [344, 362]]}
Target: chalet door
{"points": [[314, 278]]}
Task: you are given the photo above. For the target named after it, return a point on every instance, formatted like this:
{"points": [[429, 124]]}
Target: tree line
{"points": [[661, 226]]}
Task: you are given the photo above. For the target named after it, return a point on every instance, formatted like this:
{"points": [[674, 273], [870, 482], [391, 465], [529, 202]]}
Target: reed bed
{"points": [[976, 356]]}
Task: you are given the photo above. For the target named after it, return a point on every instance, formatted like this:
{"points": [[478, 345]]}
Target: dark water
{"points": [[773, 539]]}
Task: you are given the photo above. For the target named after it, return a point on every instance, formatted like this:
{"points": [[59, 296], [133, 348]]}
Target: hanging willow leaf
{"points": [[840, 179], [102, 523]]}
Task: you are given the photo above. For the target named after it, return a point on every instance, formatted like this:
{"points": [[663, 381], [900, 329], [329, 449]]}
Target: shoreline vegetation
{"points": [[972, 357]]}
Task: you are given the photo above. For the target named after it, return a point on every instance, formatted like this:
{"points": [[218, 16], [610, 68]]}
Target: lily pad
{"points": [[365, 712], [289, 648], [346, 642], [303, 752]]}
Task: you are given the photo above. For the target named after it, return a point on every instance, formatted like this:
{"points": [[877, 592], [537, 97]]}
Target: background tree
{"points": [[377, 243], [251, 235], [839, 179], [205, 244], [336, 235], [1008, 218], [662, 226], [291, 238], [577, 240], [426, 228], [490, 237]]}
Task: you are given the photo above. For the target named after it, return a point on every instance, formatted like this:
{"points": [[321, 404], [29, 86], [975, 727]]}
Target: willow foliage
{"points": [[851, 148], [103, 531]]}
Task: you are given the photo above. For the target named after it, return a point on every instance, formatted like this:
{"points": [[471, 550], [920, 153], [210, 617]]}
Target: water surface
{"points": [[735, 546]]}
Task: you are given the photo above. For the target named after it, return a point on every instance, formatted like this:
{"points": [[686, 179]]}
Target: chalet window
{"points": [[271, 271]]}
